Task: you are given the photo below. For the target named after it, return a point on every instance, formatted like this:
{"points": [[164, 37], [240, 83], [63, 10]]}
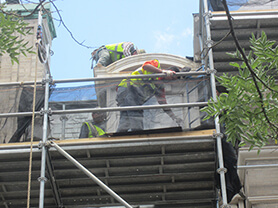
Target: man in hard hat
{"points": [[135, 92], [95, 127], [107, 54]]}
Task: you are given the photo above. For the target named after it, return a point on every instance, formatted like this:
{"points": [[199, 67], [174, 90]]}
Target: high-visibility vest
{"points": [[139, 82], [146, 88], [116, 51], [90, 127]]}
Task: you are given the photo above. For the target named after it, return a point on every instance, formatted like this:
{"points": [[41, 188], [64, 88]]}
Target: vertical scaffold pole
{"points": [[42, 178], [221, 170]]}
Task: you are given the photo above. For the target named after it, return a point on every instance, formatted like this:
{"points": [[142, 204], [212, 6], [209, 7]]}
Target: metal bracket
{"points": [[42, 179], [210, 71], [219, 170], [215, 135], [49, 112]]}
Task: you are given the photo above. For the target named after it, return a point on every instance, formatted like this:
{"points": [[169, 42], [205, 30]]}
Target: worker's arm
{"points": [[127, 46], [84, 132], [161, 99], [153, 69]]}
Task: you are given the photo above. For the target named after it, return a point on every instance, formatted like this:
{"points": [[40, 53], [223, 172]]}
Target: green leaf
{"points": [[10, 43], [235, 64], [241, 109]]}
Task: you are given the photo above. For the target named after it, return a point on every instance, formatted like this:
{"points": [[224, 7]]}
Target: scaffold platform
{"points": [[175, 169]]}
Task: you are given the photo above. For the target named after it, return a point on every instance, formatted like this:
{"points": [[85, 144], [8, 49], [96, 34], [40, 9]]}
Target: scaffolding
{"points": [[43, 146]]}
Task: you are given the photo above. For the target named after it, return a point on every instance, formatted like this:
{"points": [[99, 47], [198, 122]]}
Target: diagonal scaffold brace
{"points": [[89, 174]]}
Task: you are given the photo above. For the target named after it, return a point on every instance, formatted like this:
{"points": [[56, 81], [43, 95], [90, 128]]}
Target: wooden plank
{"points": [[209, 132]]}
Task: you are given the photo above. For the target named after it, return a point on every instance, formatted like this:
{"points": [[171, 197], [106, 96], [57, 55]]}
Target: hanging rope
{"points": [[32, 136]]}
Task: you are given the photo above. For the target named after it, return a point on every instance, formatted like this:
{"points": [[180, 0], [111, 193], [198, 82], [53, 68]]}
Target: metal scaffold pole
{"points": [[42, 177], [43, 55], [112, 78], [90, 175], [221, 170], [110, 109]]}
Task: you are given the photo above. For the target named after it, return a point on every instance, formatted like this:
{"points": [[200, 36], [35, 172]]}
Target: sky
{"points": [[158, 26]]}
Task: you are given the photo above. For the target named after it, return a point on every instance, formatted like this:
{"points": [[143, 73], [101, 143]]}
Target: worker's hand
{"points": [[168, 72], [179, 121]]}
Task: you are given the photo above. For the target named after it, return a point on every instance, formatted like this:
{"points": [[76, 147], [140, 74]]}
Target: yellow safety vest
{"points": [[145, 88], [116, 51], [90, 126], [139, 82]]}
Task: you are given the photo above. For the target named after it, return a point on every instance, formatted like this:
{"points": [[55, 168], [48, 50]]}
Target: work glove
{"points": [[185, 69], [168, 72]]}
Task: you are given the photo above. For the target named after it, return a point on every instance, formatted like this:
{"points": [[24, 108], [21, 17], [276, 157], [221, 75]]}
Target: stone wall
{"points": [[28, 69], [25, 70]]}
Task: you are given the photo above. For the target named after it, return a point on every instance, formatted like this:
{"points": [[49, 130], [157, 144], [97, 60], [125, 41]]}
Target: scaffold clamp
{"points": [[219, 170], [209, 42], [207, 14], [42, 144], [63, 118], [210, 71], [44, 81], [215, 135], [49, 112], [42, 179], [50, 143]]}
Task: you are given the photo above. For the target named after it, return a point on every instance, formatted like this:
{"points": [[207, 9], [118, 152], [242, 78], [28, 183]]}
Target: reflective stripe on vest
{"points": [[95, 128], [116, 51]]}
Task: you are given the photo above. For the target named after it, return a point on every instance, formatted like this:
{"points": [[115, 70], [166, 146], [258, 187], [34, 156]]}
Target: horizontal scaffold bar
{"points": [[86, 110], [179, 74]]}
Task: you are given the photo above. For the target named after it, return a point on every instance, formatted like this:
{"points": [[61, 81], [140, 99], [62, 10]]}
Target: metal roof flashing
{"points": [[246, 14]]}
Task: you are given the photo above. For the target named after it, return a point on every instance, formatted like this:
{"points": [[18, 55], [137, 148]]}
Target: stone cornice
{"points": [[131, 63]]}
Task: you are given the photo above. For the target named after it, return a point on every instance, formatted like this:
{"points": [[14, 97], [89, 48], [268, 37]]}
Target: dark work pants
{"points": [[131, 120]]}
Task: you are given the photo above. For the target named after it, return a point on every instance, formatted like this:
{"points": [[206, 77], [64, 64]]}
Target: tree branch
{"points": [[22, 16], [217, 43], [62, 22], [253, 74]]}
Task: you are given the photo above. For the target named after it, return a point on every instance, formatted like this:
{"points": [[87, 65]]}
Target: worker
{"points": [[107, 54], [135, 92], [95, 127]]}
